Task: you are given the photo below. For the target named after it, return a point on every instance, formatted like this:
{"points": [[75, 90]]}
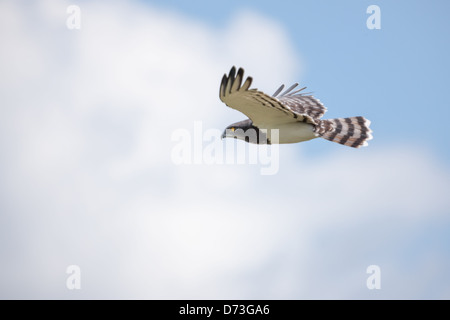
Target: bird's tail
{"points": [[353, 132]]}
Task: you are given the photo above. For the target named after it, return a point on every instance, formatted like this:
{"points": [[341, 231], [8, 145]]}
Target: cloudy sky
{"points": [[90, 119]]}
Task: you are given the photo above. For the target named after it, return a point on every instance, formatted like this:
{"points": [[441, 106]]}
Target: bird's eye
{"points": [[233, 128]]}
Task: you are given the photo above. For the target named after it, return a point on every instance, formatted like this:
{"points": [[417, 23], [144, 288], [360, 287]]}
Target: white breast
{"points": [[293, 132]]}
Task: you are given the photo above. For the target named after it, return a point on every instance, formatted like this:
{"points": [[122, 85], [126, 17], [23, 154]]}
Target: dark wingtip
{"points": [[232, 72], [232, 76], [239, 77], [240, 73], [223, 85]]}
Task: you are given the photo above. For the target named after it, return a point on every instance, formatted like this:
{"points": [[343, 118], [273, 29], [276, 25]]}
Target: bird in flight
{"points": [[296, 115]]}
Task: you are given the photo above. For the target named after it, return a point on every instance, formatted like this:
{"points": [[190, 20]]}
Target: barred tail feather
{"points": [[353, 132]]}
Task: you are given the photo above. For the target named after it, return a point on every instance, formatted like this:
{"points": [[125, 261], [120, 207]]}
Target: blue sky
{"points": [[396, 76], [87, 125]]}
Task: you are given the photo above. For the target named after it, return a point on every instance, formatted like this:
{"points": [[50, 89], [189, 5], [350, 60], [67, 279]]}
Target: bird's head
{"points": [[245, 130]]}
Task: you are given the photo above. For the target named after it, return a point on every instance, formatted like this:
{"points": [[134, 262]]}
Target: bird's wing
{"points": [[262, 109], [301, 103]]}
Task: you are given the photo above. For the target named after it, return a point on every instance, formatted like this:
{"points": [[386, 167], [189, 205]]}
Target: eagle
{"points": [[296, 116]]}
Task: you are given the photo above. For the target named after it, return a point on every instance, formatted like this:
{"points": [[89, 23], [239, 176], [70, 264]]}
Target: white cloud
{"points": [[87, 178]]}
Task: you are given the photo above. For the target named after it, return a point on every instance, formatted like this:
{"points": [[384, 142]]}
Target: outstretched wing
{"points": [[301, 103], [262, 109]]}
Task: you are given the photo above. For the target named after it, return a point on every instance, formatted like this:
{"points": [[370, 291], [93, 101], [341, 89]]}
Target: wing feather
{"points": [[247, 84], [305, 104], [290, 89], [237, 81], [265, 110], [230, 80], [278, 91], [223, 84]]}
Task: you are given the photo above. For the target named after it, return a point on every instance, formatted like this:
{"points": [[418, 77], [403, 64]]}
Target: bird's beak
{"points": [[224, 135]]}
